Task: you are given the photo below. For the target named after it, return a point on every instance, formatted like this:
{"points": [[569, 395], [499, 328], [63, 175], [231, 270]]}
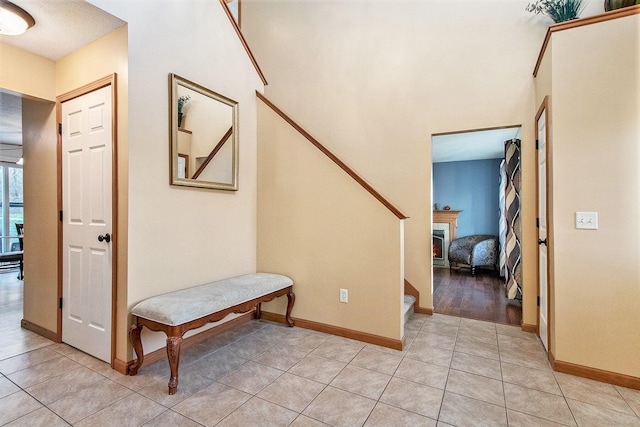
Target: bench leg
{"points": [[173, 354], [258, 313], [134, 337], [291, 297]]}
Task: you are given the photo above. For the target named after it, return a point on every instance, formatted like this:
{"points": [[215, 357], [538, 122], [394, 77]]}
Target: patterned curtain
{"points": [[512, 201], [502, 227]]}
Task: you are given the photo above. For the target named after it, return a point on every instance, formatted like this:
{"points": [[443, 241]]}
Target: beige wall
{"points": [[180, 237], [40, 214], [374, 80], [595, 89], [26, 73], [321, 228]]}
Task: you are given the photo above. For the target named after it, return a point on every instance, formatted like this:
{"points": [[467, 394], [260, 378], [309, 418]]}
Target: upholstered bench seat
{"points": [[176, 308], [177, 312]]}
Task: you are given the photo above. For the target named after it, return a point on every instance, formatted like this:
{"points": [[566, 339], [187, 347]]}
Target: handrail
{"points": [[213, 153], [333, 157], [613, 14], [243, 42]]}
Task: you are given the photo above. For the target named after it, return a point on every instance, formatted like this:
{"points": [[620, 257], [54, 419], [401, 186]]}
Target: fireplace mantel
{"points": [[447, 217]]}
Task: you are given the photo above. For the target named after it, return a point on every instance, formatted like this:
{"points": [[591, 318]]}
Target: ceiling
{"points": [[10, 128], [474, 145], [62, 26]]}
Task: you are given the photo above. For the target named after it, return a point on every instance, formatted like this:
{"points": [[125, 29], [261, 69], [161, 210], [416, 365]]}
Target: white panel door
{"points": [[86, 203], [542, 229]]}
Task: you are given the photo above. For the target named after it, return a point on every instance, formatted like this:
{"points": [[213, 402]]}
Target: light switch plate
{"points": [[344, 295], [587, 220]]}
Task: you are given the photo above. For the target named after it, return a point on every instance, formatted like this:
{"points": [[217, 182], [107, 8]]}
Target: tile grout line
{"points": [[287, 371], [403, 356], [37, 400], [504, 392], [444, 391]]}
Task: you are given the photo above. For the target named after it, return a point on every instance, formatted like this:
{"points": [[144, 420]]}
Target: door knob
{"points": [[542, 242], [106, 238]]}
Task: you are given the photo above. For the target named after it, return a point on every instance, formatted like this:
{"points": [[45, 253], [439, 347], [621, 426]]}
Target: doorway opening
{"points": [[469, 177], [11, 187]]}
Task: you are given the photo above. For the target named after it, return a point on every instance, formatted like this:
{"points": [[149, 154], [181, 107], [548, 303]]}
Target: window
{"points": [[11, 206]]}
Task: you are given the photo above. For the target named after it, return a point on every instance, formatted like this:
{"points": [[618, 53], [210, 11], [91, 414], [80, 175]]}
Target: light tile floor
{"points": [[454, 372]]}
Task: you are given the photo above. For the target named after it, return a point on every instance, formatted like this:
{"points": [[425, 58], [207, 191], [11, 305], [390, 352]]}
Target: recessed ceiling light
{"points": [[13, 19]]}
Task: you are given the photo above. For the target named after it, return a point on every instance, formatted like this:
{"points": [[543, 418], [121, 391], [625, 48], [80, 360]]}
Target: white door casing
{"points": [[87, 144], [541, 155]]}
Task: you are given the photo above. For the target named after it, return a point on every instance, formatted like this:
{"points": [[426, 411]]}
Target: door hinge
{"points": [[537, 222], [60, 216], [537, 143], [537, 302], [60, 128], [60, 303]]}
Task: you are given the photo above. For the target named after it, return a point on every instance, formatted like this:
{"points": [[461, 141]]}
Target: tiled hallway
{"points": [[456, 372]]}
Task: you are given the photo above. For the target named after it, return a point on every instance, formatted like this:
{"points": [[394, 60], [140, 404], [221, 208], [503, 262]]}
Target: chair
{"points": [[20, 231], [480, 250]]}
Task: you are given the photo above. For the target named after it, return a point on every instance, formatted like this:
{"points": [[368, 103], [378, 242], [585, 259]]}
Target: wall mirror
{"points": [[204, 136]]}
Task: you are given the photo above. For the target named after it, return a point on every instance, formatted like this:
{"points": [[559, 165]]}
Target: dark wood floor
{"points": [[458, 293]]}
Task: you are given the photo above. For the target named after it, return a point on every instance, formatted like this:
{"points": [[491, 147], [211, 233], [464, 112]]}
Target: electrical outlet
{"points": [[587, 220], [344, 295]]}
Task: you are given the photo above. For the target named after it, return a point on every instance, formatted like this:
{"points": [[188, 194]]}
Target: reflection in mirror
{"points": [[204, 142], [183, 165]]}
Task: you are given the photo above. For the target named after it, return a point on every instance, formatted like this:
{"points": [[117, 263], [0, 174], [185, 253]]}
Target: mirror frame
{"points": [[174, 82]]}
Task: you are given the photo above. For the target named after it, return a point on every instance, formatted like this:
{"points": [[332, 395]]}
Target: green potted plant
{"points": [[181, 103], [558, 10]]}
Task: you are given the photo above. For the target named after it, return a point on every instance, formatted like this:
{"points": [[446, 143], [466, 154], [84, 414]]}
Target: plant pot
{"points": [[617, 4], [179, 119]]}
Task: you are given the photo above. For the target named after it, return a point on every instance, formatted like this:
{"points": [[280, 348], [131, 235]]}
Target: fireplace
{"points": [[444, 230], [440, 244], [438, 247]]}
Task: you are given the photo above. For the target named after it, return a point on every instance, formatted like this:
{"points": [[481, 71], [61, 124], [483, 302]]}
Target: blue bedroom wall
{"points": [[472, 187]]}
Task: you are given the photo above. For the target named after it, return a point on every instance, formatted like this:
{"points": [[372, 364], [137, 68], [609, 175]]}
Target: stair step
{"points": [[409, 300]]}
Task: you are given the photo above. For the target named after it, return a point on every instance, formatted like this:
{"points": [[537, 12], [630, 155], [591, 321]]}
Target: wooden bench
{"points": [[177, 312]]}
